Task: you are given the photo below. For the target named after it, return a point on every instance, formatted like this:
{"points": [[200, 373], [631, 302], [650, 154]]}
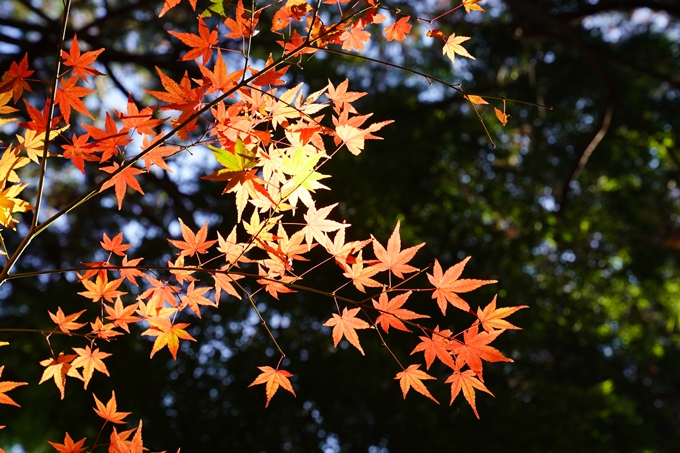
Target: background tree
{"points": [[574, 213]]}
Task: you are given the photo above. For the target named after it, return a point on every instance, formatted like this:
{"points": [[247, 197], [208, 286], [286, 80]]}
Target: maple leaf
{"points": [[102, 288], [108, 141], [90, 360], [131, 273], [167, 334], [81, 63], [69, 446], [14, 79], [6, 386], [192, 243], [201, 43], [115, 245], [453, 47], [475, 348], [169, 4], [391, 312], [38, 121], [121, 181], [398, 30], [223, 282], [354, 38], [34, 142], [472, 5], [347, 131], [9, 204], [271, 76], [58, 369], [104, 331], [219, 78], [243, 25], [273, 379], [360, 275], [317, 224], [160, 293], [67, 323], [413, 377], [394, 259], [122, 316], [68, 96], [492, 318], [110, 411], [140, 121], [447, 285], [194, 298], [438, 346], [468, 382], [9, 163], [79, 152], [346, 326], [342, 98]]}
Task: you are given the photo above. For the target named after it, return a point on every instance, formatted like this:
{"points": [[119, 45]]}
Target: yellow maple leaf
{"points": [[34, 142], [471, 5], [453, 47]]}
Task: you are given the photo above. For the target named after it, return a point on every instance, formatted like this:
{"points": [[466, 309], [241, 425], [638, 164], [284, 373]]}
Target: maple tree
{"points": [[270, 144]]}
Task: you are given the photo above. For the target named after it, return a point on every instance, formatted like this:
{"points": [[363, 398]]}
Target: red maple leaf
{"points": [[398, 30], [80, 151], [14, 79], [394, 259], [139, 121], [391, 312], [81, 63], [448, 284], [219, 78], [121, 181], [202, 43], [38, 121], [108, 141], [68, 96], [273, 379]]}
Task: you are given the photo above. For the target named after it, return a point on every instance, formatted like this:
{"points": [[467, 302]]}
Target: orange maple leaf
{"points": [[398, 30], [273, 379], [219, 78], [468, 382], [360, 275], [242, 26], [476, 348], [121, 181], [69, 446], [80, 151], [131, 273], [492, 318], [140, 121], [68, 96], [67, 323], [391, 312], [192, 243], [394, 259], [14, 79], [167, 334], [447, 285], [169, 4], [317, 224], [102, 288], [110, 411], [354, 38], [346, 326], [81, 63], [438, 346], [115, 245], [108, 141], [6, 386], [122, 316], [413, 377], [58, 369], [194, 297], [104, 331], [502, 117], [90, 360], [201, 43]]}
